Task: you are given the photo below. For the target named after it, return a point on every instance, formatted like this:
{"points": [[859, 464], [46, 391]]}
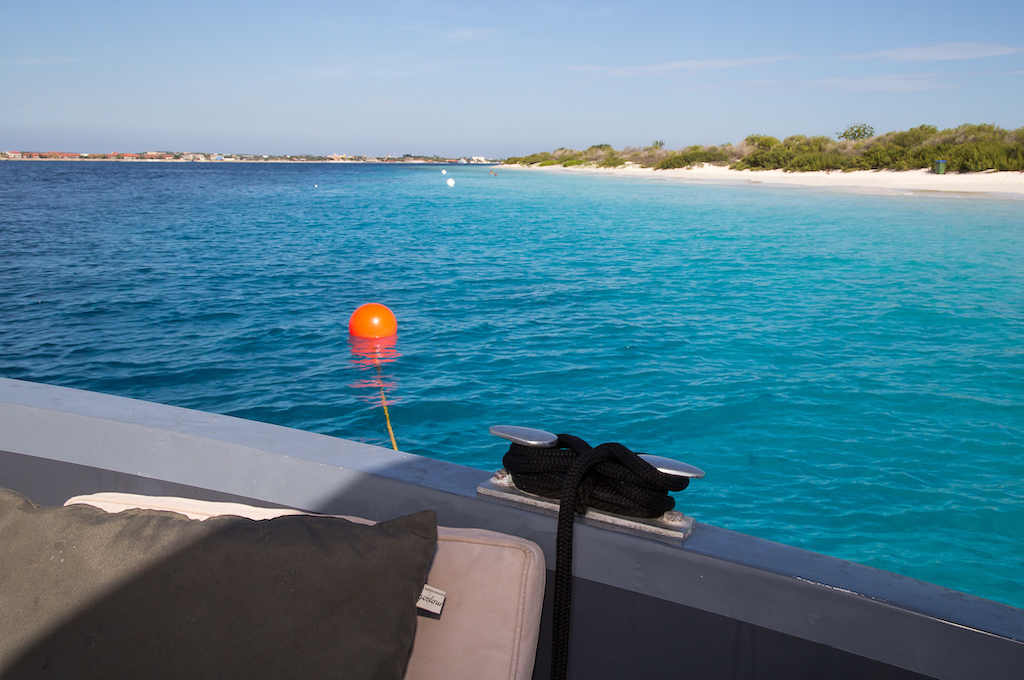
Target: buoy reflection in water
{"points": [[373, 353]]}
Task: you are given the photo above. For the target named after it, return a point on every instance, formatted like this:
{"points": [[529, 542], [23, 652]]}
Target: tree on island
{"points": [[857, 132]]}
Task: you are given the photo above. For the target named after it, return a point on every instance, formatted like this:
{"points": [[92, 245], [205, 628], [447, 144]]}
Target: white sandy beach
{"points": [[1005, 184]]}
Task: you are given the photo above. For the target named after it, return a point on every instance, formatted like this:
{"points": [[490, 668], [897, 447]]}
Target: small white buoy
{"points": [[444, 172], [451, 182], [315, 186]]}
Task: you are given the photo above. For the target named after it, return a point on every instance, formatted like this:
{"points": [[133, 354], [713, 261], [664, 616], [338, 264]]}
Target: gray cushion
{"points": [[152, 594]]}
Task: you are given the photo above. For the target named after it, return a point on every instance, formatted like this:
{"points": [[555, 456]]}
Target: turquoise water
{"points": [[848, 369]]}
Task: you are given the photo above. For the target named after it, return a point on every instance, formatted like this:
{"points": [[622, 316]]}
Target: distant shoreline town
{"points": [[192, 157]]}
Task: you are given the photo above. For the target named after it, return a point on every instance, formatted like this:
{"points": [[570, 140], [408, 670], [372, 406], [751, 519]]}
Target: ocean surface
{"points": [[847, 368]]}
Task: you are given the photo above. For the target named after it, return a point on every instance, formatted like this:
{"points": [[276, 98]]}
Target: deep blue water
{"points": [[848, 369]]}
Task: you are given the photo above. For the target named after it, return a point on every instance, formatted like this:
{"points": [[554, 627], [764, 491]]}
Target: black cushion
{"points": [[152, 594]]}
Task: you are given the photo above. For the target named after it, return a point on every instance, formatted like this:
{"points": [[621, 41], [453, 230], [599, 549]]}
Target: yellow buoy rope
{"points": [[384, 403]]}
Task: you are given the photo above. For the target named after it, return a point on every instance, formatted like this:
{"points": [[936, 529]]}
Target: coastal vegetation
{"points": [[967, 148]]}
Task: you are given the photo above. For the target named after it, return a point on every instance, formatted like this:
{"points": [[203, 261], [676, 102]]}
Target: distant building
{"points": [[477, 159]]}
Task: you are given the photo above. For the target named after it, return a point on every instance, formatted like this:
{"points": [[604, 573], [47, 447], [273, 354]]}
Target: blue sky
{"points": [[494, 79]]}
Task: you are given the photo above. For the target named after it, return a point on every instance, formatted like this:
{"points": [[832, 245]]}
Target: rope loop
{"points": [[607, 477], [616, 480]]}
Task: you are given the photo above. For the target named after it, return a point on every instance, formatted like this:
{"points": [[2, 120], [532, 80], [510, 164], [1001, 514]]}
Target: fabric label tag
{"points": [[431, 602]]}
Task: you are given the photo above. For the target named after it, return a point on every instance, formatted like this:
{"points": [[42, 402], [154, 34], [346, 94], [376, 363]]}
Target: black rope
{"points": [[608, 477]]}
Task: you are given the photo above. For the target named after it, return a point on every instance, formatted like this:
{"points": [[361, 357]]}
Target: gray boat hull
{"points": [[719, 605]]}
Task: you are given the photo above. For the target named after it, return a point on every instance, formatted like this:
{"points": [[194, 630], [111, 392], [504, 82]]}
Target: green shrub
{"points": [[978, 156], [693, 156], [612, 160], [536, 158], [913, 136], [815, 161], [762, 142], [975, 133], [573, 161], [968, 148], [528, 160], [766, 159], [804, 144], [885, 156]]}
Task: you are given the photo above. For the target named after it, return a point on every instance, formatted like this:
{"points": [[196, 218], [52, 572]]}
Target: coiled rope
{"points": [[607, 477]]}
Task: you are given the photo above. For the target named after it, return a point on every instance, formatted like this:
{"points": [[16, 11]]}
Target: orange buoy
{"points": [[372, 320]]}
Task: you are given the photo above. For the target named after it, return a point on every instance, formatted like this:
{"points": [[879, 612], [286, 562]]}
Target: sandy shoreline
{"points": [[1003, 184]]}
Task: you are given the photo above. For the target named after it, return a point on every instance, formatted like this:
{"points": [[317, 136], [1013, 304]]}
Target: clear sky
{"points": [[494, 78]]}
